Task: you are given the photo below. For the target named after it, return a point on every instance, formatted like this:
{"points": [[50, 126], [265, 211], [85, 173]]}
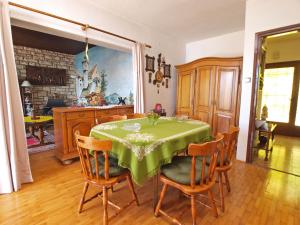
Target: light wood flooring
{"points": [[259, 196], [285, 156]]}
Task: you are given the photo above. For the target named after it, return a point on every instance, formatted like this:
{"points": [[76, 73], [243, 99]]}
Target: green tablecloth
{"points": [[145, 151]]}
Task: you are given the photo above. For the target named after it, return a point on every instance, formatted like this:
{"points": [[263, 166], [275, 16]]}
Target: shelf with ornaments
{"points": [[27, 97]]}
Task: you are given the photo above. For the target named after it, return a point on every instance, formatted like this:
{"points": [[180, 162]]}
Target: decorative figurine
{"points": [[122, 101], [264, 112]]}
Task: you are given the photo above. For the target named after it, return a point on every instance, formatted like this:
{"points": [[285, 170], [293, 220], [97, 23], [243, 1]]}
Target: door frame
{"points": [[257, 57]]}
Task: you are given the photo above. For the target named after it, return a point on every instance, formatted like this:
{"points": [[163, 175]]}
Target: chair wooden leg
{"points": [[85, 188], [134, 196], [213, 204], [193, 208], [162, 195], [221, 191], [105, 200], [227, 181]]}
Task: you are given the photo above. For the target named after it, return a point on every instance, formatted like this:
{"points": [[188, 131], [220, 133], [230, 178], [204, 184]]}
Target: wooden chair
{"points": [[224, 162], [192, 175], [106, 119], [112, 118], [100, 172], [135, 116]]}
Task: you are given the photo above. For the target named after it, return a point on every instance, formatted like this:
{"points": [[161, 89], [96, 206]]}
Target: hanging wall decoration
{"points": [[162, 75], [167, 70], [150, 77], [150, 63], [37, 75]]}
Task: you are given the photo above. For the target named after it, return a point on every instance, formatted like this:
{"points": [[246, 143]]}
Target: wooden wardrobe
{"points": [[209, 89]]}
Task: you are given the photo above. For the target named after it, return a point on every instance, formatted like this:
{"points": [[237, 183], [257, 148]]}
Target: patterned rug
{"points": [[49, 137]]}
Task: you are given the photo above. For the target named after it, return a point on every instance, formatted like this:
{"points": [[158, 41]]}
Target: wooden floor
{"points": [[258, 196], [285, 156]]}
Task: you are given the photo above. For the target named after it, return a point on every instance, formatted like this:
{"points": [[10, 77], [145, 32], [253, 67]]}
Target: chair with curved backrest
{"points": [[106, 119], [100, 172], [224, 162], [192, 175], [135, 116]]}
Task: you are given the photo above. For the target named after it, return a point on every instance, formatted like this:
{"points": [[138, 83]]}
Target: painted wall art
{"points": [[104, 77]]}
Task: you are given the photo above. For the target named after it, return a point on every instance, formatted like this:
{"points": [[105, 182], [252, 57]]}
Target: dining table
{"points": [[143, 147]]}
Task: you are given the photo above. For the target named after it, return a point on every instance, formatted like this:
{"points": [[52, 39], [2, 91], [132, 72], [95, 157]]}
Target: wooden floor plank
{"points": [[258, 196]]}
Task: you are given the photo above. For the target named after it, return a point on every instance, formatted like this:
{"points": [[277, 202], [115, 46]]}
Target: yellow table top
{"points": [[41, 119]]}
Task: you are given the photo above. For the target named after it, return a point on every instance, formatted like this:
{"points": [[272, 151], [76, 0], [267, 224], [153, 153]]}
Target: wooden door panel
{"points": [[203, 81], [203, 116], [226, 91], [226, 96], [204, 89], [222, 123], [185, 92], [83, 125]]}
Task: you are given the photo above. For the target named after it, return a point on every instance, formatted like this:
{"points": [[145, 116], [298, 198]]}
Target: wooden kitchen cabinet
{"points": [[209, 89], [69, 119]]}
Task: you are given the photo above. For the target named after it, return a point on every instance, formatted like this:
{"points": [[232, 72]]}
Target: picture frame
{"points": [[167, 70], [150, 63], [46, 76]]}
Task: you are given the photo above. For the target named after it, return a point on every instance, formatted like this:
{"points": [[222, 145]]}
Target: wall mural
{"points": [[105, 77]]}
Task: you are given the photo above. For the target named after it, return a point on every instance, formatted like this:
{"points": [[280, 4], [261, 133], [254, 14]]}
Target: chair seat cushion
{"points": [[180, 169], [114, 169]]}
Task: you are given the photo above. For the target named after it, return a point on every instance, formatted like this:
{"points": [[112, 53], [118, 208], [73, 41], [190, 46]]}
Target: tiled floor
{"points": [[285, 156]]}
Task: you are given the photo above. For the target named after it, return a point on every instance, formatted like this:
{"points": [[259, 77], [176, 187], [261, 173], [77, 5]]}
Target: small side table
{"points": [[269, 135], [39, 124]]}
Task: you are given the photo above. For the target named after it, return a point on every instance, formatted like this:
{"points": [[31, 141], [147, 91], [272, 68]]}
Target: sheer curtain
{"points": [[14, 160], [138, 71]]}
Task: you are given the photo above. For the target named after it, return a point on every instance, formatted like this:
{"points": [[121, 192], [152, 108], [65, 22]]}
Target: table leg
{"points": [[267, 147], [41, 134], [273, 135], [155, 190], [31, 130]]}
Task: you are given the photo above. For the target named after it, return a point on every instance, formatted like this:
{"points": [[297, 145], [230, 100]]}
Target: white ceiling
{"points": [[188, 20]]}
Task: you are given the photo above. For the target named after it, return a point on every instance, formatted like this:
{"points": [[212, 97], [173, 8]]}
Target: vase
{"points": [[153, 121]]}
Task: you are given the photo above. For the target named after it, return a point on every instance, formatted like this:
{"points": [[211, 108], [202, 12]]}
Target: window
{"points": [[277, 92]]}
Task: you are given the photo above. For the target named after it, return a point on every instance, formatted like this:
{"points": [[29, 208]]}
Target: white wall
{"points": [[226, 45], [81, 11], [260, 16]]}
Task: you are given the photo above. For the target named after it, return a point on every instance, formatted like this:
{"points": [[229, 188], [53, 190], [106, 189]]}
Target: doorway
{"points": [[274, 129], [281, 96]]}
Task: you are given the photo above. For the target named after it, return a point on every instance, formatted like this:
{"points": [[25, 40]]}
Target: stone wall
{"points": [[37, 57]]}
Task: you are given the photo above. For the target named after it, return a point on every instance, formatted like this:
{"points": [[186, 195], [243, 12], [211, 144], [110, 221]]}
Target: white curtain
{"points": [[138, 72], [14, 160]]}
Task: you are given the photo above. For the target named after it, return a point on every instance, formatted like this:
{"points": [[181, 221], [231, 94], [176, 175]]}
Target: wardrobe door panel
{"points": [[225, 103], [185, 93], [204, 89]]}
